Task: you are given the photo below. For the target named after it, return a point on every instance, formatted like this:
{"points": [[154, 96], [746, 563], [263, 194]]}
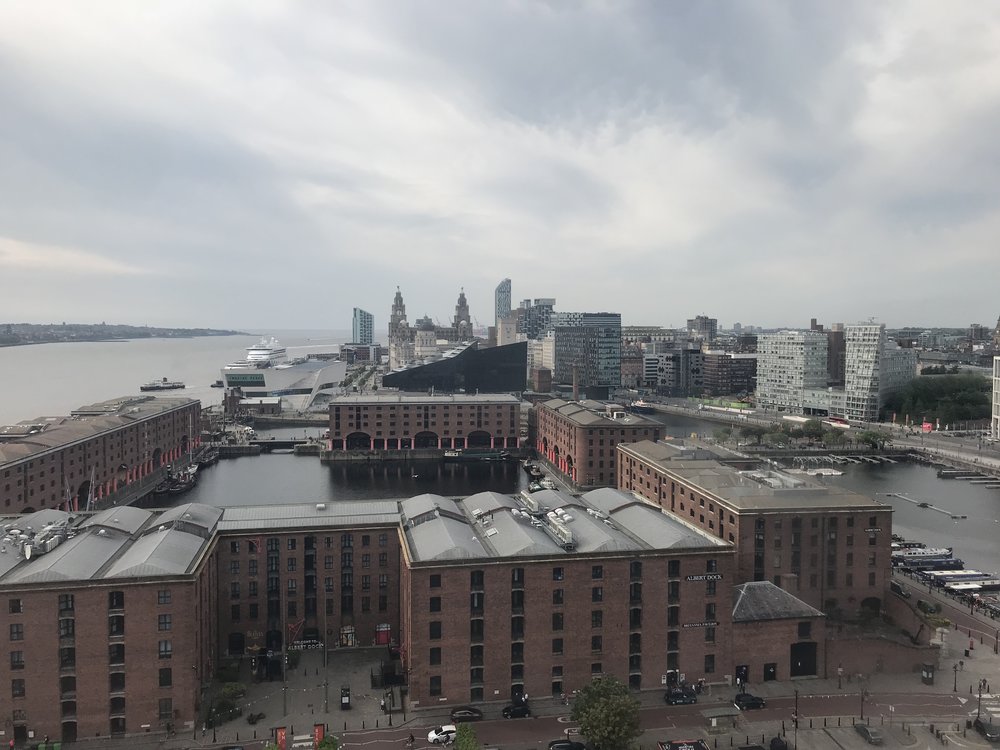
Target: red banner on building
{"points": [[319, 732], [279, 738]]}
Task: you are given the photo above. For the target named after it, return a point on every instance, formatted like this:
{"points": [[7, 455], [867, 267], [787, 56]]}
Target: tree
{"points": [[465, 738], [607, 713], [834, 437], [875, 439], [328, 743], [723, 434], [753, 431], [813, 429]]}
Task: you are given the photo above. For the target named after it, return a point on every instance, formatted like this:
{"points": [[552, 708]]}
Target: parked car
{"points": [[871, 734], [680, 696], [442, 735], [466, 713], [743, 701], [516, 712], [988, 729], [566, 745]]}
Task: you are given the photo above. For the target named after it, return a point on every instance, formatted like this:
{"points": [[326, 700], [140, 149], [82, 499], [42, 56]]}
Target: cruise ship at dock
{"points": [[301, 382]]}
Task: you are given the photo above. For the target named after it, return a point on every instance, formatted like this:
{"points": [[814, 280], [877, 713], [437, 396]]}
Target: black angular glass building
{"points": [[499, 369]]}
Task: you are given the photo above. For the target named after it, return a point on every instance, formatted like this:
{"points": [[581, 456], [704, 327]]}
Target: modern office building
{"points": [[703, 328], [826, 545], [578, 438], [674, 369], [405, 421], [466, 368], [362, 327], [502, 301], [788, 364], [588, 351], [794, 372], [95, 453], [535, 320], [729, 373], [875, 368]]}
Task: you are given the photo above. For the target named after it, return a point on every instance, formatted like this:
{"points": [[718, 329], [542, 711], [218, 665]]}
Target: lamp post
{"points": [[979, 706], [795, 723], [861, 683], [954, 688]]}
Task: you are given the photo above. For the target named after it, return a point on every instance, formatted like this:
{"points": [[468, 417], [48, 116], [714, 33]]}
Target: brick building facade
{"points": [[112, 629], [323, 572], [828, 546], [579, 438], [402, 421], [495, 605], [94, 452]]}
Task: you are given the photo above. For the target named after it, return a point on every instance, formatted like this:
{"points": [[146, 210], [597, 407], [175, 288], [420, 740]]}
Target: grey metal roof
{"points": [[516, 538], [299, 515], [196, 514], [160, 552], [648, 523], [126, 518], [750, 490], [488, 502], [444, 538], [595, 413], [79, 558], [85, 422], [762, 600], [420, 505]]}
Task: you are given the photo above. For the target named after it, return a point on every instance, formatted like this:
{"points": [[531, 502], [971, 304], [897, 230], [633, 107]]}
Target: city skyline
{"points": [[762, 163]]}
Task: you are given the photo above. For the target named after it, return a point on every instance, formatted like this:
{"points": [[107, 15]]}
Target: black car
{"points": [[466, 713], [566, 745], [986, 728], [871, 734], [743, 701], [516, 712], [679, 696]]}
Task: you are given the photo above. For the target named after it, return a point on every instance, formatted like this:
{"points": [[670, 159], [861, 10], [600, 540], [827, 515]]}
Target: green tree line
{"points": [[948, 398]]}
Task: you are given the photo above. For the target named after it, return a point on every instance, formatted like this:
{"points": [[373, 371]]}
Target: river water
{"points": [[52, 379]]}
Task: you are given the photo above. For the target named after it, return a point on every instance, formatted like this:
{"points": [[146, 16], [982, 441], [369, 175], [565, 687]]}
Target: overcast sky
{"points": [[272, 164]]}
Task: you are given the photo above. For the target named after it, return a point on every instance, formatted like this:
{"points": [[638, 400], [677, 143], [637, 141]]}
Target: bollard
{"points": [[838, 722], [345, 726], [390, 720], [824, 722], [376, 723], [782, 726], [255, 734], [237, 736], [716, 743], [362, 723]]}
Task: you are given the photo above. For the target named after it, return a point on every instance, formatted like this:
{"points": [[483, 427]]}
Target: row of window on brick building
{"points": [[67, 634], [517, 634], [309, 543]]}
